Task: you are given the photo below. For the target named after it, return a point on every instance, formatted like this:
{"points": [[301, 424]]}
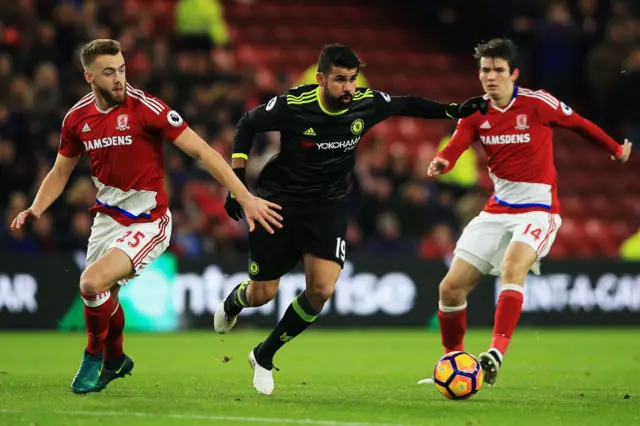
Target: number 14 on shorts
{"points": [[533, 231]]}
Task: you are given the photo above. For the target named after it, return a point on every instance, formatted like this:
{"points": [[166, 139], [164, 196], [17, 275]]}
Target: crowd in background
{"points": [[585, 51], [582, 51]]}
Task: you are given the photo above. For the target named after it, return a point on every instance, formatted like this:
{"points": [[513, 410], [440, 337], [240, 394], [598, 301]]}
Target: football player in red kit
{"points": [[521, 219], [121, 130]]}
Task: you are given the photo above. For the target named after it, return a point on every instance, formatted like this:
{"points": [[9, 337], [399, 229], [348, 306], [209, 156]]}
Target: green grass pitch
{"points": [[339, 378]]}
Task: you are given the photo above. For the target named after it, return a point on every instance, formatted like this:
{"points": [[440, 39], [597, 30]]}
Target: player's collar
{"points": [[95, 103], [510, 104]]}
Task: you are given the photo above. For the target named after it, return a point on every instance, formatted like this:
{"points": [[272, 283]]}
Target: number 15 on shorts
{"points": [[341, 248]]}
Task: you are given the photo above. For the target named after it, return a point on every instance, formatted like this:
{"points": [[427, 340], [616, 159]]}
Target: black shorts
{"points": [[320, 232]]}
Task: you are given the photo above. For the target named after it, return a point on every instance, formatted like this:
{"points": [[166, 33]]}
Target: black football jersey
{"points": [[318, 147]]}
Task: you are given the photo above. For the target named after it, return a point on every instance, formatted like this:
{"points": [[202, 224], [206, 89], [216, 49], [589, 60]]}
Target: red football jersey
{"points": [[124, 145], [518, 143]]}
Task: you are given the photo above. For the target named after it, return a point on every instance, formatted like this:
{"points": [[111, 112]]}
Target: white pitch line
{"points": [[202, 417]]}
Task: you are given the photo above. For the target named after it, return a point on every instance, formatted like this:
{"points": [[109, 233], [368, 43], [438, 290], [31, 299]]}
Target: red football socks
{"points": [[113, 343], [97, 315], [453, 325], [507, 316]]}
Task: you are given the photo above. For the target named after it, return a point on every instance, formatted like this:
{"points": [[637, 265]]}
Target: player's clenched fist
{"points": [[257, 209], [437, 166], [469, 107], [233, 207], [22, 218], [625, 152]]}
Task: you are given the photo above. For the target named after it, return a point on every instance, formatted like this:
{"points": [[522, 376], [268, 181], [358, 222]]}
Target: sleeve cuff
{"points": [[619, 151]]}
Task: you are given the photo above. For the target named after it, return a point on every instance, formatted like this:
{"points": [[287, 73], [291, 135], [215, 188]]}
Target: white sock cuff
{"points": [[95, 300], [500, 356], [513, 287], [452, 308]]}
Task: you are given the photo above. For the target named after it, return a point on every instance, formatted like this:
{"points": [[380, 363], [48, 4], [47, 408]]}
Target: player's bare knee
{"points": [[323, 292], [453, 292], [261, 292], [92, 283], [319, 291]]}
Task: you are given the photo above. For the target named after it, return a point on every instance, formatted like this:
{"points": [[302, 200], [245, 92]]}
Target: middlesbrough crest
{"points": [[122, 122], [521, 122]]}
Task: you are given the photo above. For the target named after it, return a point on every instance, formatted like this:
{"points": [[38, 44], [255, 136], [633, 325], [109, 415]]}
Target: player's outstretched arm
{"points": [[592, 132], [559, 114], [256, 209], [414, 106], [50, 189]]}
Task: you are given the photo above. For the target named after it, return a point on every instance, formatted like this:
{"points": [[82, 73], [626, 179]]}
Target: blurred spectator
{"points": [[43, 49], [46, 91], [630, 249], [186, 239], [398, 169], [589, 21], [374, 203], [438, 244], [43, 233], [463, 178], [19, 240], [603, 71], [388, 238], [413, 210], [82, 193], [558, 39], [201, 23], [80, 228], [354, 237], [629, 88]]}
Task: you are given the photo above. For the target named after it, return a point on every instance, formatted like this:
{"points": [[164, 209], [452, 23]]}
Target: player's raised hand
{"points": [[24, 215], [437, 166], [626, 152], [469, 107], [257, 209]]}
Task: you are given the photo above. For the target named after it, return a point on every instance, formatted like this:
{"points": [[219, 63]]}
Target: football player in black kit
{"points": [[321, 126]]}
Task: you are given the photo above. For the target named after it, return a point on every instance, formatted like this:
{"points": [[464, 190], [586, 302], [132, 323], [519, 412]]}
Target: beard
{"points": [[338, 102], [111, 98]]}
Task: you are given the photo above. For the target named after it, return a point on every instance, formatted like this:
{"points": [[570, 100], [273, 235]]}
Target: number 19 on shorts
{"points": [[341, 248]]}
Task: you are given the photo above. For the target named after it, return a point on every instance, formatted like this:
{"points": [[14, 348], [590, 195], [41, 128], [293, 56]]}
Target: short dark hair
{"points": [[338, 55], [96, 48], [498, 48]]}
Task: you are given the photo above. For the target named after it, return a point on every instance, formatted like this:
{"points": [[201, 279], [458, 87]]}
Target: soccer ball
{"points": [[458, 375]]}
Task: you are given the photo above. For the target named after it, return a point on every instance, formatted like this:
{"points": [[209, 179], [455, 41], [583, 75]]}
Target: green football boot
{"points": [[107, 375], [86, 379]]}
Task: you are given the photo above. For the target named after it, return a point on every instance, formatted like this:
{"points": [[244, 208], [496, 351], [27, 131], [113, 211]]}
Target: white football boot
{"points": [[490, 362], [222, 322], [262, 378]]}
